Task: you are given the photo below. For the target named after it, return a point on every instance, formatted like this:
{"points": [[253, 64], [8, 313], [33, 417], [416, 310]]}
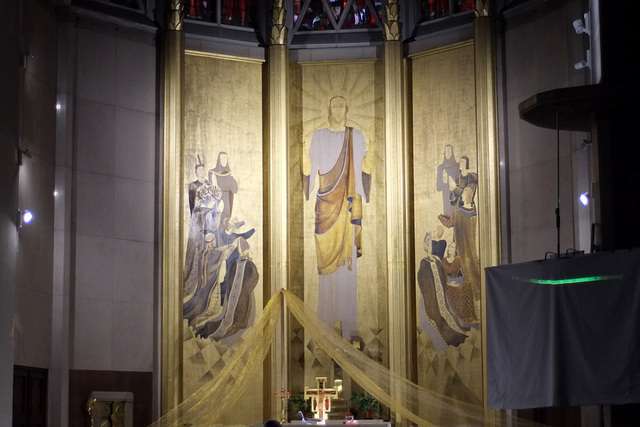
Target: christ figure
{"points": [[336, 155]]}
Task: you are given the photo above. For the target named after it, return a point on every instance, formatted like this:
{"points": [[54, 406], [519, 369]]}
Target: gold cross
{"points": [[320, 398]]}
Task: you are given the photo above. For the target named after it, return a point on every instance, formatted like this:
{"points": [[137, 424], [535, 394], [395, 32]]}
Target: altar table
{"points": [[368, 423]]}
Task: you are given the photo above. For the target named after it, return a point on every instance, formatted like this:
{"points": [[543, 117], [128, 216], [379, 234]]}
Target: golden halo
{"points": [[353, 81]]}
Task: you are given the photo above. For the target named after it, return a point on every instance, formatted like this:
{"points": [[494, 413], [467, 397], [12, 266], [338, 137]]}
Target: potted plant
{"points": [[367, 405], [299, 403]]}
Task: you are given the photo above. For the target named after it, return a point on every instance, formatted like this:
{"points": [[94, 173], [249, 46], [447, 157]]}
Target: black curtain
{"points": [[564, 332]]}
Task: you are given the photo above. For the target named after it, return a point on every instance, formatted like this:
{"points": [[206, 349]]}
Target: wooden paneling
{"points": [[29, 397]]}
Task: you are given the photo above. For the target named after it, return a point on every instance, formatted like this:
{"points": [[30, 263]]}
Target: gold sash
{"points": [[337, 207]]}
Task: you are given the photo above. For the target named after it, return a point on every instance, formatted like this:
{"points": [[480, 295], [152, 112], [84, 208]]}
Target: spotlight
{"points": [[24, 217], [23, 152], [581, 28], [580, 65], [584, 199], [583, 64], [25, 57]]}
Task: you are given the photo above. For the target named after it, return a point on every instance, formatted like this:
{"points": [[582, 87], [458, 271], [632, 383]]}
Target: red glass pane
{"points": [[360, 15], [201, 9], [315, 18], [242, 13], [432, 9], [464, 5]]}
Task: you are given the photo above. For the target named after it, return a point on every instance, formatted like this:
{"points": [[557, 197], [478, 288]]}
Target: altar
{"points": [[369, 423], [372, 423]]}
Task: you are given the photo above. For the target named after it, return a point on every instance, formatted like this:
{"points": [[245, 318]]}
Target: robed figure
{"points": [[219, 275], [336, 156]]}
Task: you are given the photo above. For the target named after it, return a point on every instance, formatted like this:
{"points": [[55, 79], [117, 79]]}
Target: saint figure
{"points": [[193, 186], [466, 179], [447, 171], [225, 182], [336, 155], [219, 275], [437, 320]]}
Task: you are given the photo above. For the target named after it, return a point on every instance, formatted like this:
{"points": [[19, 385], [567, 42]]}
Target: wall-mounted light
{"points": [[23, 152], [585, 63], [24, 217], [25, 58], [584, 198], [583, 28]]}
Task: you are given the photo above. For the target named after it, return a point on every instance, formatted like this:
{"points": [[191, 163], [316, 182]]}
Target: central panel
{"points": [[338, 238]]}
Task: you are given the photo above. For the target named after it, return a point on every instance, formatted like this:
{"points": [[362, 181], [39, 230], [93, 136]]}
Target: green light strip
{"points": [[569, 281]]}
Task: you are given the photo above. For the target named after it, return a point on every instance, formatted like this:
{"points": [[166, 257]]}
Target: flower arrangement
{"points": [[367, 404], [299, 403]]}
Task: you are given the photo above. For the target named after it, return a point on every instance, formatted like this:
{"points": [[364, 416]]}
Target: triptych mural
{"points": [[337, 216]]}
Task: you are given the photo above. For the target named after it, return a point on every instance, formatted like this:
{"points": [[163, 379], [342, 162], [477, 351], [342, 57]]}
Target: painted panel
{"points": [[338, 217], [223, 226], [449, 346]]}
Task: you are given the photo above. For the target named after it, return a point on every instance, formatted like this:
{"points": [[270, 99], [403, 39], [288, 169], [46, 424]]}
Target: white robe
{"points": [[337, 291]]}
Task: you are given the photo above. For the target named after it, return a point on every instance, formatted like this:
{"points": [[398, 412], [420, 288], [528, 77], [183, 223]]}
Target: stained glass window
{"points": [[242, 13], [313, 16], [433, 9], [336, 14], [239, 12], [199, 9], [361, 16]]}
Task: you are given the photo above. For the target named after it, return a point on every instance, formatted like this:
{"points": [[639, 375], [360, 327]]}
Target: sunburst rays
{"points": [[354, 81]]}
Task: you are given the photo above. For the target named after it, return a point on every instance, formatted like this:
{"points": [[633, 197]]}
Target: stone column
{"points": [[488, 159], [276, 193], [396, 191], [173, 62]]}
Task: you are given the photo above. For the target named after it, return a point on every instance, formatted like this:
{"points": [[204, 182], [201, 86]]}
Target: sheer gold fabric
{"points": [[209, 406]]}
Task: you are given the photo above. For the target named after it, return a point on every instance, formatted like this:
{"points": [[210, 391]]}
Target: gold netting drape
{"points": [[210, 405]]}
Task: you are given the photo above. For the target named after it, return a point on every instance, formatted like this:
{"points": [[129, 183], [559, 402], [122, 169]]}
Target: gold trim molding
{"points": [[224, 56], [439, 50], [309, 63]]}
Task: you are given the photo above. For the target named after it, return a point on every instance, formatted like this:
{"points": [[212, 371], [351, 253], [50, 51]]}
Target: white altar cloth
{"points": [[368, 423]]}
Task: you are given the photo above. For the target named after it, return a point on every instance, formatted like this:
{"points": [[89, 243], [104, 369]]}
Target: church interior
{"points": [[218, 212]]}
